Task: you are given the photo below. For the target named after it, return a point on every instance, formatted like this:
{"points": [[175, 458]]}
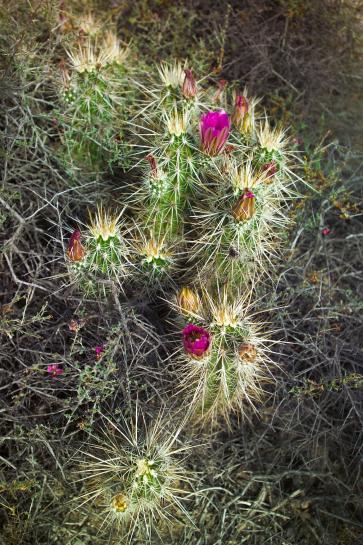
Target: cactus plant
{"points": [[93, 86], [135, 476], [100, 255], [224, 357]]}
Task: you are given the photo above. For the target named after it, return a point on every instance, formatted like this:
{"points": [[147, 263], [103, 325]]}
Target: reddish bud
{"points": [[189, 87], [270, 169], [244, 208], [76, 324], [153, 164], [240, 111], [62, 11], [230, 148], [221, 86], [75, 249], [64, 74]]}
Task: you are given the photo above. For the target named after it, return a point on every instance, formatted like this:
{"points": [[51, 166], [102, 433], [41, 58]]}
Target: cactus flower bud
{"points": [[229, 149], [153, 164], [247, 352], [188, 301], [189, 87], [119, 503], [214, 131], [244, 208], [75, 249], [270, 169], [240, 111], [221, 86], [196, 341]]}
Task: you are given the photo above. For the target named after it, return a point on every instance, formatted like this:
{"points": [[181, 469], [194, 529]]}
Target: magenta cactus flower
{"points": [[196, 341], [214, 131], [54, 369]]}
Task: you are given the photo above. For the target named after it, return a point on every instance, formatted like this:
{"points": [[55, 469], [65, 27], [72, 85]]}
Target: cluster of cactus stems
{"points": [[93, 93], [225, 358], [209, 203]]}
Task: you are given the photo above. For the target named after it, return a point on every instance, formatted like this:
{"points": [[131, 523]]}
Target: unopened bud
{"points": [[244, 208], [221, 86], [119, 503], [189, 87], [247, 352], [240, 111], [269, 170], [229, 149], [153, 164], [75, 249], [188, 301]]}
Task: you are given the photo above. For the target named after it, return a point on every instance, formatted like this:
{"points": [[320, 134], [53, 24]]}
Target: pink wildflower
{"points": [[98, 350], [54, 369], [325, 231]]}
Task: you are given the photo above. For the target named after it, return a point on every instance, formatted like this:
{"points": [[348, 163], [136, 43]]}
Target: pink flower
{"points": [[98, 350], [325, 231], [248, 194], [54, 369], [214, 131], [189, 87], [196, 341]]}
